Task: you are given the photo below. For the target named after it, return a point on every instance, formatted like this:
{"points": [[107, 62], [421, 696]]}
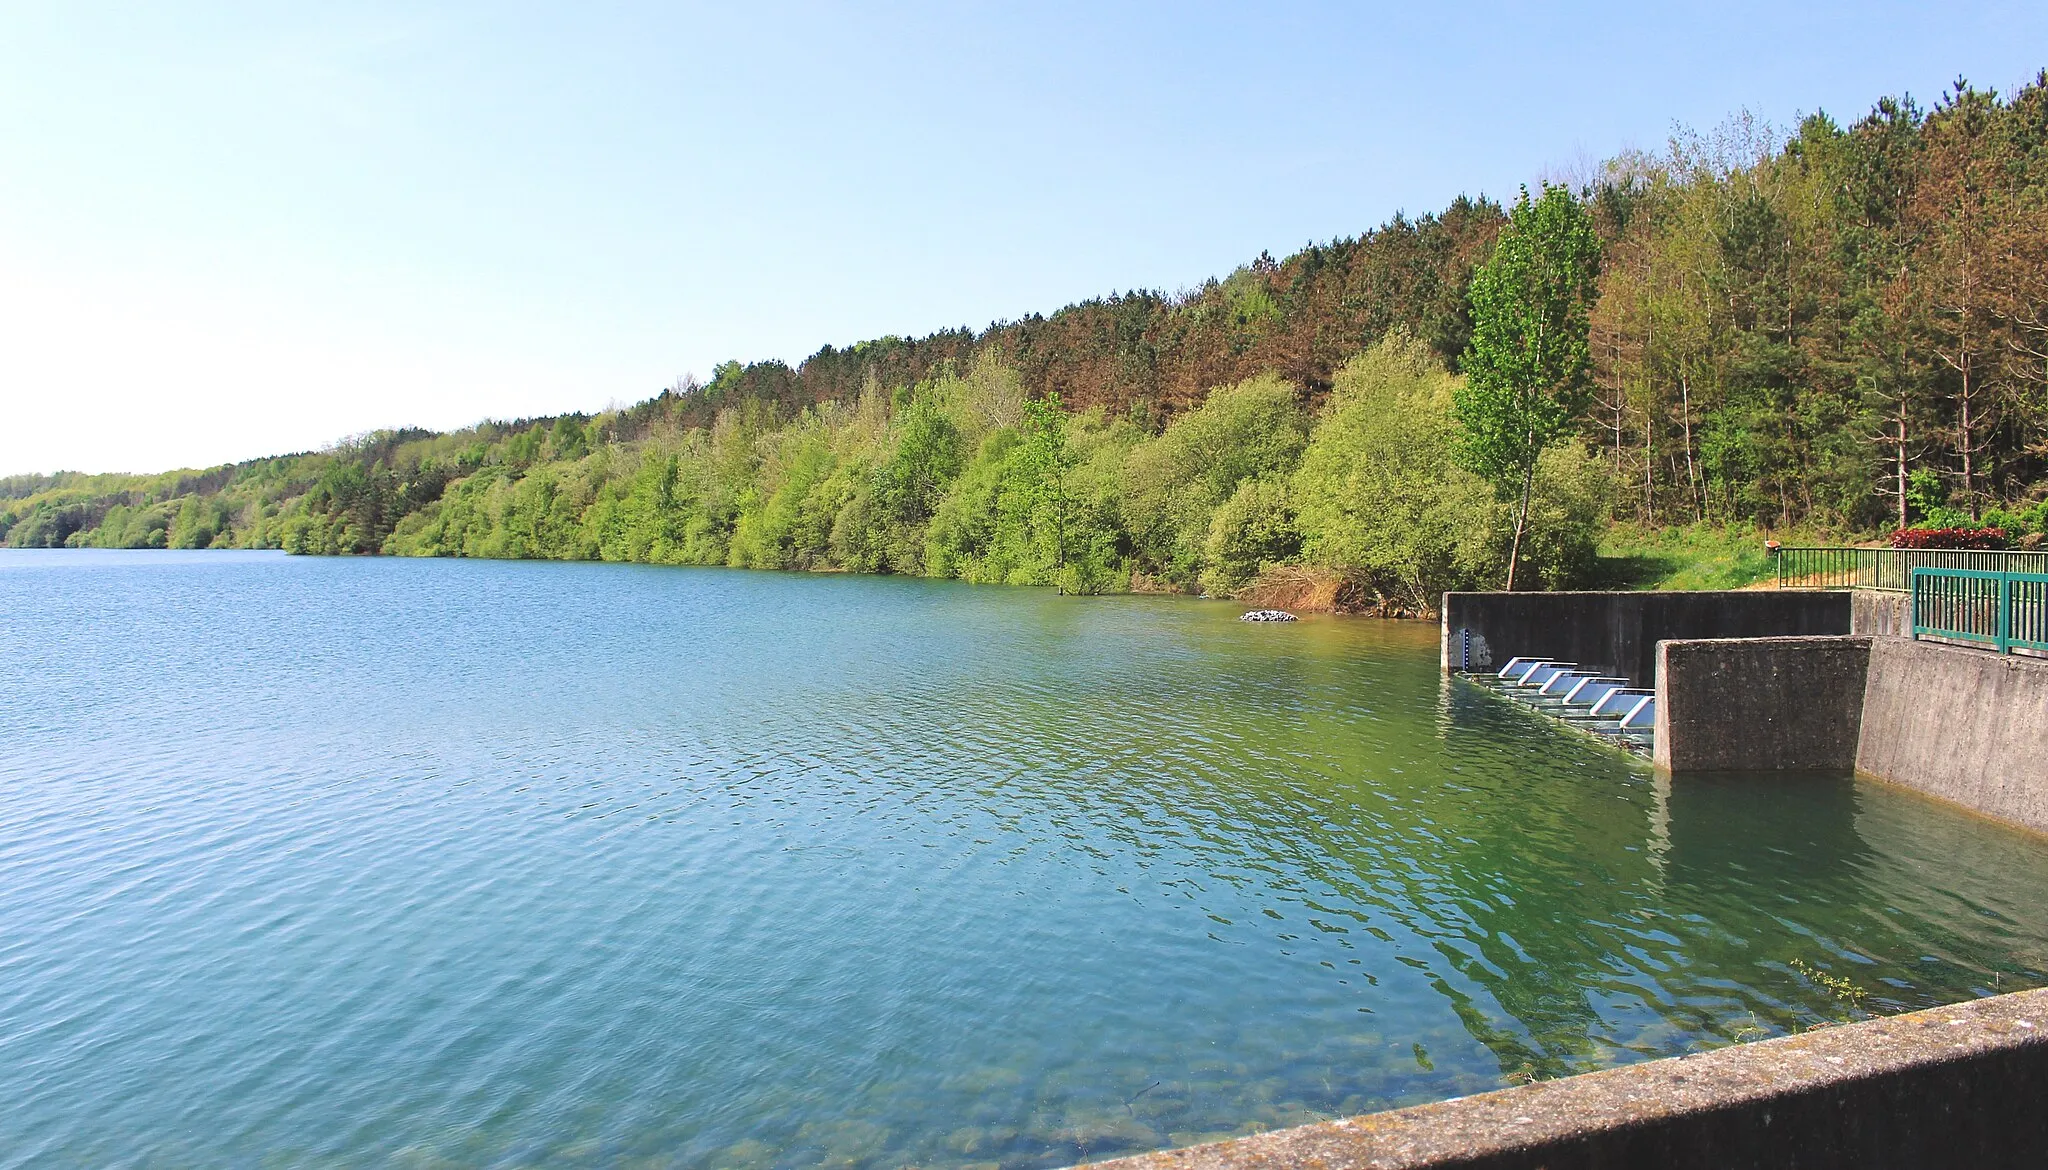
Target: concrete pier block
{"points": [[1760, 704]]}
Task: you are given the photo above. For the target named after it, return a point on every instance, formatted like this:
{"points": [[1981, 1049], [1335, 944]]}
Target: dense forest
{"points": [[1842, 329]]}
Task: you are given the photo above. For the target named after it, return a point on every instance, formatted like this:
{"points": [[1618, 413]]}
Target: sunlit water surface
{"points": [[376, 862]]}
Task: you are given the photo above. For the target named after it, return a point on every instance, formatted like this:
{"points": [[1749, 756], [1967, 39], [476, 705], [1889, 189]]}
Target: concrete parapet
{"points": [[1964, 725], [1952, 1086], [1760, 704], [1617, 633]]}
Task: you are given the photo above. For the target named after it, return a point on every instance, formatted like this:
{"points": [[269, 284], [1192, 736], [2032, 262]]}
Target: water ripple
{"points": [[372, 862]]}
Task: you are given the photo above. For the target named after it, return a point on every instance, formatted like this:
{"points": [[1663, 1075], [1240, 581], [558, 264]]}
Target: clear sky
{"points": [[236, 230]]}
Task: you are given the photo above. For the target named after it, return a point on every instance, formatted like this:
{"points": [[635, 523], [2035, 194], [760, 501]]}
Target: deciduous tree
{"points": [[1527, 385]]}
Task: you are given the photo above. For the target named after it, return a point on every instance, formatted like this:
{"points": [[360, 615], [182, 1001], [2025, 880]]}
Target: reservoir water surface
{"points": [[377, 862]]}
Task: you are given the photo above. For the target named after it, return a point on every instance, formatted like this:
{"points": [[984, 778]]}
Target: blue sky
{"points": [[236, 230]]}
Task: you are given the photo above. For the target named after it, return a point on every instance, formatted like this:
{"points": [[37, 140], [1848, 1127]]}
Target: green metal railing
{"points": [[2005, 610], [1891, 568]]}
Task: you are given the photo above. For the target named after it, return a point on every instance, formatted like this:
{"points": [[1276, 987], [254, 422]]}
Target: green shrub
{"points": [[1252, 529], [1378, 495], [1172, 485]]}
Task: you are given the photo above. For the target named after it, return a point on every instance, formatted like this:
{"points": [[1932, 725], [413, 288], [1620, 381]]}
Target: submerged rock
{"points": [[1269, 615]]}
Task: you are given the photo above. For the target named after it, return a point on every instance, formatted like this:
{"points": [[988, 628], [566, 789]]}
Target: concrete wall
{"points": [[1881, 613], [1964, 725], [1758, 704], [1619, 632], [1955, 1086]]}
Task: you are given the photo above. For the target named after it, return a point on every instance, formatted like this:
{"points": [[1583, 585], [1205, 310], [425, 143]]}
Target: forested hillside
{"points": [[1843, 328]]}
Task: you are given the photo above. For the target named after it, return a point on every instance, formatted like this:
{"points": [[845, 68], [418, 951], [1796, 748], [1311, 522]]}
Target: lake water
{"points": [[378, 862]]}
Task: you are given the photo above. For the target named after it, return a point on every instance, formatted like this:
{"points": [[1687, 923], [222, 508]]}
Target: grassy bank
{"points": [[1693, 556]]}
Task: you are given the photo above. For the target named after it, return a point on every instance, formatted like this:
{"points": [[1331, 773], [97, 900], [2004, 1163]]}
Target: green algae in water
{"points": [[369, 862]]}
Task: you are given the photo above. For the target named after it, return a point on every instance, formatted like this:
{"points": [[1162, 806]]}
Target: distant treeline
{"points": [[1842, 328], [962, 475]]}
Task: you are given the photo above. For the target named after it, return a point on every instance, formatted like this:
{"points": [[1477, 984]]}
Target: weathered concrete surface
{"points": [[1954, 1086], [1881, 613], [1967, 726], [1760, 704], [1617, 633]]}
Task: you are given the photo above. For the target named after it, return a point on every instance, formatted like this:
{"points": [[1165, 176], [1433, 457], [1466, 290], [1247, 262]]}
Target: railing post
{"points": [[2005, 613]]}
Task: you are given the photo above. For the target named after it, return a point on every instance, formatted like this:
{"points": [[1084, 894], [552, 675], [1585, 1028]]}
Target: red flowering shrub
{"points": [[1968, 538]]}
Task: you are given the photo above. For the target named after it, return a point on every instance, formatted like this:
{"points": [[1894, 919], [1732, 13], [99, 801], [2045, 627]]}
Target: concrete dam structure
{"points": [[1776, 681], [1618, 633], [1962, 725], [1756, 682], [1590, 658]]}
